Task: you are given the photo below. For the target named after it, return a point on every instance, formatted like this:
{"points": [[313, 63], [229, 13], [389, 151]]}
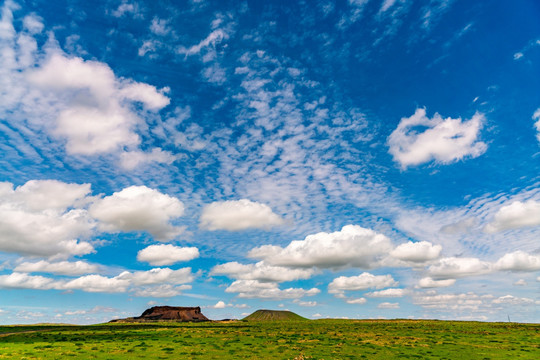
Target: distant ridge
{"points": [[274, 315]]}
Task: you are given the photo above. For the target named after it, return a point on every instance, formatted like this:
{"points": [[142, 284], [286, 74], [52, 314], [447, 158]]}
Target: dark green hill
{"points": [[273, 315]]}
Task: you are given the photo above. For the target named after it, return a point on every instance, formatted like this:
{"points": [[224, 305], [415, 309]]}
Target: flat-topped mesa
{"points": [[173, 313]]}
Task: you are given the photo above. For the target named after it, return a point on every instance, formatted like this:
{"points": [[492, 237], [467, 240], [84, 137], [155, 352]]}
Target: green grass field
{"points": [[319, 339]]}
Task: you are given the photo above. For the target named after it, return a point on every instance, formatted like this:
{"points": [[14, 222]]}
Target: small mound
{"points": [[274, 315]]}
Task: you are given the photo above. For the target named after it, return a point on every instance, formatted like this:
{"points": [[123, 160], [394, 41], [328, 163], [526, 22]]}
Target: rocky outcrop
{"points": [[168, 313]]}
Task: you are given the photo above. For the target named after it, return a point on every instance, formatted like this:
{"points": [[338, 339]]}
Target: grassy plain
{"points": [[319, 339]]}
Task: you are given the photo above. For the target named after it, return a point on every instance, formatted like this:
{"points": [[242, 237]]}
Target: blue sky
{"points": [[360, 158]]}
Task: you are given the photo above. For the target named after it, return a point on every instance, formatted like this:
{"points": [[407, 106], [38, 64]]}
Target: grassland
{"points": [[321, 339]]}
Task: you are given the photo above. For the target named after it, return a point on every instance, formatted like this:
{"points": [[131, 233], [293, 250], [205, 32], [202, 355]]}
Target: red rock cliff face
{"points": [[174, 313]]}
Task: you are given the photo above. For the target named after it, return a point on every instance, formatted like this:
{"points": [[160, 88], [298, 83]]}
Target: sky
{"points": [[353, 158]]}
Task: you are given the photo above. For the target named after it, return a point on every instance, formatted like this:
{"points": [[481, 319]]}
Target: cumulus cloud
{"points": [[238, 215], [388, 293], [61, 267], [261, 272], [96, 283], [514, 216], [81, 102], [536, 116], [361, 282], [518, 261], [387, 305], [93, 115], [166, 254], [428, 282], [157, 276], [513, 300], [24, 281], [418, 139], [254, 289], [305, 303], [417, 251], [353, 246], [49, 218], [138, 208], [219, 305], [451, 302], [159, 282], [42, 195], [357, 301], [37, 219], [453, 267]]}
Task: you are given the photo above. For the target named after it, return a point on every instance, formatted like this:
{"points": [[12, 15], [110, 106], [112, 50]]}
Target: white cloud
{"points": [[453, 267], [24, 281], [238, 215], [161, 291], [361, 282], [95, 310], [48, 217], [428, 282], [518, 261], [459, 227], [215, 37], [387, 305], [97, 283], [514, 216], [305, 303], [157, 276], [254, 289], [91, 105], [512, 300], [45, 195], [220, 305], [33, 24], [160, 26], [62, 267], [148, 95], [37, 219], [388, 293], [387, 4], [159, 282], [126, 8], [166, 254], [358, 301], [536, 116], [352, 246], [147, 46], [261, 272], [138, 208], [520, 282], [417, 251], [451, 302], [130, 160], [442, 140]]}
